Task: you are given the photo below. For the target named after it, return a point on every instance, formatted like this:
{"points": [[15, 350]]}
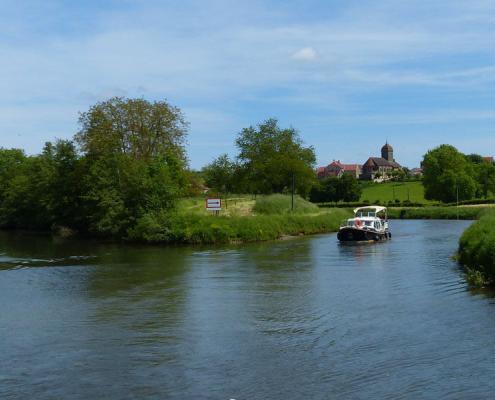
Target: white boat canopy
{"points": [[377, 209]]}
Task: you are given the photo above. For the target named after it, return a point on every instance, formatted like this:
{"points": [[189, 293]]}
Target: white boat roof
{"points": [[377, 209]]}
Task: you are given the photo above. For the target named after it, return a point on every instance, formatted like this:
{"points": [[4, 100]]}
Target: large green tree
{"points": [[135, 161], [446, 173], [270, 157]]}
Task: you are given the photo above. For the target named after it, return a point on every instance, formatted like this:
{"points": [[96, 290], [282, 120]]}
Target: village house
{"points": [[336, 168]]}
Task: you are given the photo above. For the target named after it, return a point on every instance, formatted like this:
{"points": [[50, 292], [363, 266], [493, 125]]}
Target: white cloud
{"points": [[305, 54], [213, 56]]}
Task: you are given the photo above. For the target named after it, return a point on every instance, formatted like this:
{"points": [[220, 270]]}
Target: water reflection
{"points": [[304, 318]]}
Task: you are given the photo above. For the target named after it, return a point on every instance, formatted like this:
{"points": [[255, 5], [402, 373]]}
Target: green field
{"points": [[391, 191]]}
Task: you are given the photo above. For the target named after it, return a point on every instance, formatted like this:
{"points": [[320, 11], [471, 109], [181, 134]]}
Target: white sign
{"points": [[213, 204]]}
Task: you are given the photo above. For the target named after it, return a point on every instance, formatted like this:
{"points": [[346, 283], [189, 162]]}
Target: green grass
{"points": [[391, 191], [194, 228], [477, 250], [464, 212], [281, 204], [243, 220], [235, 205]]}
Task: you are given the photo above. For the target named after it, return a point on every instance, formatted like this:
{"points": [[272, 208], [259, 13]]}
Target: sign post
{"points": [[214, 205]]}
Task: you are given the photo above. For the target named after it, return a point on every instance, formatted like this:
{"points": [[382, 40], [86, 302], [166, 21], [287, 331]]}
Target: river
{"points": [[305, 318]]}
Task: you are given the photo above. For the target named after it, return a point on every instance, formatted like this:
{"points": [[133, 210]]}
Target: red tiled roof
{"points": [[335, 164], [351, 167], [489, 159]]}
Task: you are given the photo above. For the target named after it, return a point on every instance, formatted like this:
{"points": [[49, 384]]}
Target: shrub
{"points": [[477, 249]]}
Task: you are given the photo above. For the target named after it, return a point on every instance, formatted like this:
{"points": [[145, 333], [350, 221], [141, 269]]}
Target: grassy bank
{"points": [[464, 212], [196, 228], [477, 250]]}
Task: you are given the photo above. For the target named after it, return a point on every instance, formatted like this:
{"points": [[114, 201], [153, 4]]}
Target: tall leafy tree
{"points": [[136, 127], [485, 175], [446, 173], [135, 161], [271, 156]]}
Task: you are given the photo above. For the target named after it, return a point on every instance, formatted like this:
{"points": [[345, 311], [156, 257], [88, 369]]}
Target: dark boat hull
{"points": [[351, 234]]}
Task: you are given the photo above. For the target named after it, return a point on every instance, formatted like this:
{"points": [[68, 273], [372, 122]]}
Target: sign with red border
{"points": [[213, 204]]}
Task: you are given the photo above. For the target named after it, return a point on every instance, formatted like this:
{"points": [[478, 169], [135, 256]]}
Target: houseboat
{"points": [[369, 224]]}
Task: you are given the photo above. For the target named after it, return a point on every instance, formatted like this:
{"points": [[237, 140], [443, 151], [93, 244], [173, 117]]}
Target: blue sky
{"points": [[347, 74]]}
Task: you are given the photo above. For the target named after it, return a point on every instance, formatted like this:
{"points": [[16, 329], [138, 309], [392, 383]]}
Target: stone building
{"points": [[380, 167]]}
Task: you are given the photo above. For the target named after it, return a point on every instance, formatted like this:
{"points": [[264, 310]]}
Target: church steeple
{"points": [[387, 152]]}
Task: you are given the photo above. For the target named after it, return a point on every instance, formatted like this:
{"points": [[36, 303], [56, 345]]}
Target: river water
{"points": [[298, 319]]}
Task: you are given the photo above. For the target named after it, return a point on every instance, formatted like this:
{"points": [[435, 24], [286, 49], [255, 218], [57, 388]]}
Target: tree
{"points": [[59, 185], [137, 128], [349, 189], [485, 175], [446, 173], [270, 157], [135, 163], [335, 189], [219, 175]]}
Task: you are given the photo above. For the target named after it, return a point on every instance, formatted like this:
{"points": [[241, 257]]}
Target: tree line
{"points": [[127, 161], [126, 168]]}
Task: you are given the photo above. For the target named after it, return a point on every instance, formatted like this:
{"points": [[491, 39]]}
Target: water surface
{"points": [[303, 318]]}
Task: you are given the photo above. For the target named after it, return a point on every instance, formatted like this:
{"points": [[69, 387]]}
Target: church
{"points": [[380, 167]]}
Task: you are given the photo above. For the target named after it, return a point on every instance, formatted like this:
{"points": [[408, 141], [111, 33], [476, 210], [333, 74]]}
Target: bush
{"points": [[477, 249], [281, 204]]}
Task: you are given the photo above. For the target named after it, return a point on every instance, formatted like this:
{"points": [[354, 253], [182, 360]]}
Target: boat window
{"points": [[367, 223]]}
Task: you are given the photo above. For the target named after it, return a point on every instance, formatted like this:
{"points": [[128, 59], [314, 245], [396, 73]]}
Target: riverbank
{"points": [[207, 229], [477, 250], [450, 212]]}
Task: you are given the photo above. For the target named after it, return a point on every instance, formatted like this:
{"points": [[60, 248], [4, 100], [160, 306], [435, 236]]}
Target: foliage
{"points": [[194, 183], [201, 229], [448, 174], [335, 189], [135, 127], [220, 174], [436, 212], [485, 175], [281, 204], [38, 191], [119, 190], [132, 164], [269, 158], [477, 249]]}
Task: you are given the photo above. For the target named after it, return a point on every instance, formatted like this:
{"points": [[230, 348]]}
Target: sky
{"points": [[348, 75]]}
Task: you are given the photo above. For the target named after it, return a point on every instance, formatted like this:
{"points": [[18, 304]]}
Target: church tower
{"points": [[388, 152]]}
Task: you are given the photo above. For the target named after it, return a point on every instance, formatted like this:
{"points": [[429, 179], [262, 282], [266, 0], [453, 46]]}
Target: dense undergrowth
{"points": [[477, 250]]}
